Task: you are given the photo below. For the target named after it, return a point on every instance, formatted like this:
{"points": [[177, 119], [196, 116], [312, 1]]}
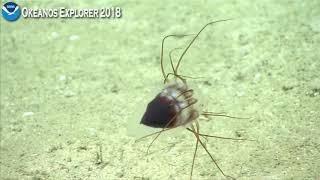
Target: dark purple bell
{"points": [[160, 111]]}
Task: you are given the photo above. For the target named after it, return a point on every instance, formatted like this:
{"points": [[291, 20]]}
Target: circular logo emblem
{"points": [[11, 11]]}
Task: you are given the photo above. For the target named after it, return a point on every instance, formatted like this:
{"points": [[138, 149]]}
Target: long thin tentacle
{"points": [[162, 130], [204, 147], [165, 128], [181, 77], [195, 151], [170, 57], [219, 137], [185, 51], [207, 113], [162, 50]]}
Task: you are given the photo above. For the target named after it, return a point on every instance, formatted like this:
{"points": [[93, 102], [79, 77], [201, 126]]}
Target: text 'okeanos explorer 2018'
{"points": [[112, 12]]}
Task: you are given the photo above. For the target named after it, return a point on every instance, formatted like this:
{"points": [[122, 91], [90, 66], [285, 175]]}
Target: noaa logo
{"points": [[11, 11]]}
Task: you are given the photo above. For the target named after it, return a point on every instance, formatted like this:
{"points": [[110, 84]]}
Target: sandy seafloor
{"points": [[73, 87]]}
